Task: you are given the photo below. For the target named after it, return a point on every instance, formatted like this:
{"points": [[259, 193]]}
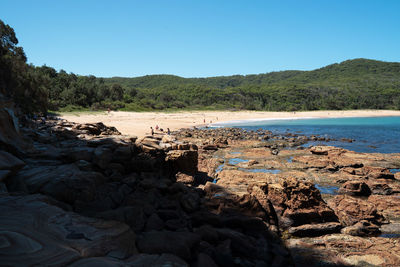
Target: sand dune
{"points": [[138, 123]]}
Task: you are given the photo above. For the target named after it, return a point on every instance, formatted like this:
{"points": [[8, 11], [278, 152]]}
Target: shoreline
{"points": [[139, 123]]}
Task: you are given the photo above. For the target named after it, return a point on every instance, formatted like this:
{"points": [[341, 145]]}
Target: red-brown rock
{"points": [[351, 210]]}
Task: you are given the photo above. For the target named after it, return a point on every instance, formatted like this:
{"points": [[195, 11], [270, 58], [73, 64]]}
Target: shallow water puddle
{"points": [[394, 170], [290, 159], [235, 153], [219, 168], [260, 170], [390, 235], [236, 161], [329, 190]]}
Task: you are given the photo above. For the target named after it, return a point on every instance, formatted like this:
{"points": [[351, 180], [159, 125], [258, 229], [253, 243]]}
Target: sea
{"points": [[369, 134]]}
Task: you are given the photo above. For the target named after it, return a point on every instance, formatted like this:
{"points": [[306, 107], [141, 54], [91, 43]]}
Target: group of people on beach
{"points": [[157, 128]]}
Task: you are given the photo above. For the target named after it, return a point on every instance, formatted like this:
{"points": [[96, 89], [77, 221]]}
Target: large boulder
{"points": [[33, 232], [355, 188], [298, 203], [96, 129], [184, 161], [351, 210]]}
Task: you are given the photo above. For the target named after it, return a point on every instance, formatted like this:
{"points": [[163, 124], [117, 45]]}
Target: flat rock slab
{"points": [[9, 161], [34, 232], [345, 250]]}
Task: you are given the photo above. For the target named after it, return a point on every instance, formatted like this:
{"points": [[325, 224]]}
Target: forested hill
{"points": [[350, 69], [151, 81], [352, 84]]}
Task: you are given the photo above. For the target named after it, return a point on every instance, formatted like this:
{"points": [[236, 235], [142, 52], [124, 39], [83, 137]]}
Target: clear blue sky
{"points": [[202, 38]]}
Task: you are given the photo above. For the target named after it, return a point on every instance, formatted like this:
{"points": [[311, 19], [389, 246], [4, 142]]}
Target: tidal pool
{"points": [[327, 189], [260, 170]]}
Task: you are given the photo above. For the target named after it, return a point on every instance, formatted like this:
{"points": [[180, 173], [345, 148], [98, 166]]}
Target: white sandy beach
{"points": [[139, 123]]}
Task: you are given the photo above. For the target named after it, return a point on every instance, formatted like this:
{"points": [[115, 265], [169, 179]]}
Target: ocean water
{"points": [[371, 134]]}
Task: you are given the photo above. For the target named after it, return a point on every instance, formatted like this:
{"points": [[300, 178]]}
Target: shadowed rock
{"points": [[34, 232]]}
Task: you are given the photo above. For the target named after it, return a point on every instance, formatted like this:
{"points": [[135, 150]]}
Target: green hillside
{"points": [[352, 84]]}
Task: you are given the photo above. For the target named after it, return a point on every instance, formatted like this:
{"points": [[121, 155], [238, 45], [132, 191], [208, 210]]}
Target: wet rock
{"points": [[355, 188], [351, 210], [177, 243], [347, 140]]}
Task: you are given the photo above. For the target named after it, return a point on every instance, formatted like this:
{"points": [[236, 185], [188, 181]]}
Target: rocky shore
{"points": [[85, 195], [333, 206]]}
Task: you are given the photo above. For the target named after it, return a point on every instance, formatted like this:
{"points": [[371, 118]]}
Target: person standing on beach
{"points": [[152, 131], [168, 131]]}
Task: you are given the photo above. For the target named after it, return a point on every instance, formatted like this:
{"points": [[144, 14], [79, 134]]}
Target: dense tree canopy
{"points": [[352, 84], [18, 80]]}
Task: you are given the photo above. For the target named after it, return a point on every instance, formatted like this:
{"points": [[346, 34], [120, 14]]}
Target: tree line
{"points": [[352, 84]]}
